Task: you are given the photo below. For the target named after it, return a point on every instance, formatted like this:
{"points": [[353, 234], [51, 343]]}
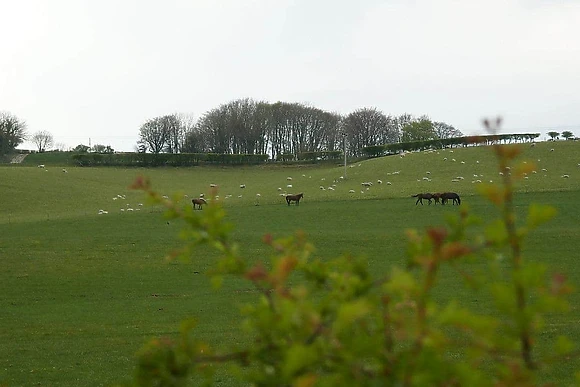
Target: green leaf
{"points": [[297, 358], [564, 345], [496, 232], [539, 213]]}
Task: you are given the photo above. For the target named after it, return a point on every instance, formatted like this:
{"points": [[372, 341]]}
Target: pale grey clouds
{"points": [[98, 69]]}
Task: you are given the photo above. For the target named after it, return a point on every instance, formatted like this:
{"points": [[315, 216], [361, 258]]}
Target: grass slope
{"points": [[81, 292]]}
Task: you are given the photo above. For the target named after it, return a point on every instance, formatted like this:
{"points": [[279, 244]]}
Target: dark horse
{"points": [[422, 196], [445, 196], [198, 202], [294, 198]]}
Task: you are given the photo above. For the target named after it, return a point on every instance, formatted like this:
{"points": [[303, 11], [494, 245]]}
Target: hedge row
{"points": [[389, 149], [165, 159]]}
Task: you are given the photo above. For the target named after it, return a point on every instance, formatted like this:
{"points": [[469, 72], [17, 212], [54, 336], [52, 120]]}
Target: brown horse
{"points": [[437, 197], [294, 198], [445, 196], [422, 196], [198, 202]]}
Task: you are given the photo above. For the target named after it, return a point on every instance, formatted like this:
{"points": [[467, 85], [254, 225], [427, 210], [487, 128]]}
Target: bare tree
{"points": [[12, 132], [366, 127], [60, 147], [443, 130], [175, 132], [153, 135], [43, 140]]}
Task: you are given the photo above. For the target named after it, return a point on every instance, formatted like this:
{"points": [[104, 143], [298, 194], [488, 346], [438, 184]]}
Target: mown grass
{"points": [[81, 292]]}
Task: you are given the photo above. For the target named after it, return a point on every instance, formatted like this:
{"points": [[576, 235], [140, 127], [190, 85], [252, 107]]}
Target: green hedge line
{"points": [[310, 156], [389, 149], [165, 159]]}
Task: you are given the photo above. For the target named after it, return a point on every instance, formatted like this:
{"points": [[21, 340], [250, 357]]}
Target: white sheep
{"points": [[565, 176], [289, 186], [41, 166], [351, 191], [213, 185], [242, 186], [289, 178], [380, 181]]}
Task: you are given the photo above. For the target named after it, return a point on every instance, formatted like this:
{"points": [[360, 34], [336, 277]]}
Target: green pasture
{"points": [[81, 292]]}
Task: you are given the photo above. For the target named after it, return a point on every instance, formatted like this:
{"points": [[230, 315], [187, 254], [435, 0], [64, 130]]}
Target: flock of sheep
{"points": [[365, 185]]}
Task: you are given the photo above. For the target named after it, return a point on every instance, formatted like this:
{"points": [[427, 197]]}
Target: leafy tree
{"points": [[43, 140], [553, 135], [99, 148], [12, 132], [81, 148], [420, 130], [341, 324], [567, 134]]}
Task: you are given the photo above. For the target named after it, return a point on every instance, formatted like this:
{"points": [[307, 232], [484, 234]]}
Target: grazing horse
{"points": [[445, 196], [198, 202], [294, 198], [437, 197], [422, 196]]}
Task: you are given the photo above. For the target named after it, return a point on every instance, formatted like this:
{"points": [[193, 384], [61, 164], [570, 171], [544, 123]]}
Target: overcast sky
{"points": [[83, 69]]}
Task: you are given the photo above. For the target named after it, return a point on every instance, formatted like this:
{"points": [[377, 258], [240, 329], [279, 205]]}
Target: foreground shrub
{"points": [[340, 324]]}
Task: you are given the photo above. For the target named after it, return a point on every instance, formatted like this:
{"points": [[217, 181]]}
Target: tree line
{"points": [[281, 130], [284, 130]]}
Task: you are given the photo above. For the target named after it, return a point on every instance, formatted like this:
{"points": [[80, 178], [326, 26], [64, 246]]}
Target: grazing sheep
{"points": [[64, 170], [242, 186], [380, 181], [565, 176], [213, 185], [289, 186], [351, 191], [289, 178], [41, 166], [367, 183], [388, 183]]}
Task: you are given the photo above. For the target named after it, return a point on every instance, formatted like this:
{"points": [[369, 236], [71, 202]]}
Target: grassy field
{"points": [[81, 292]]}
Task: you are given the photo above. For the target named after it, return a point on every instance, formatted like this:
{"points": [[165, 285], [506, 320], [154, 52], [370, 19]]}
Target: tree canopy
{"points": [[12, 132]]}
